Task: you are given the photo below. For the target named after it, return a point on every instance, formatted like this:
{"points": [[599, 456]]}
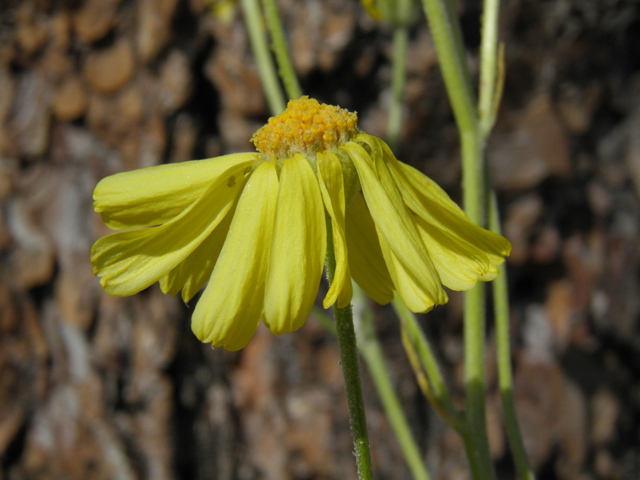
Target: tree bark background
{"points": [[109, 388]]}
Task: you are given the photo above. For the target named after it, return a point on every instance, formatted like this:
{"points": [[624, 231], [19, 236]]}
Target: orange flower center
{"points": [[305, 127]]}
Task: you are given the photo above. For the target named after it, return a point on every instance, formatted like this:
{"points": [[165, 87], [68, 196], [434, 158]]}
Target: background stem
{"points": [[398, 79], [266, 69], [447, 38], [503, 343], [428, 362], [476, 441], [491, 80], [279, 45], [488, 66], [445, 30]]}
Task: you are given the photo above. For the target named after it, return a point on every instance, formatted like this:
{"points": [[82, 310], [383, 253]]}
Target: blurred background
{"points": [[110, 388]]}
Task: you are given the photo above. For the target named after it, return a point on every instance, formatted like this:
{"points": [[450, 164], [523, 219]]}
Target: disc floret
{"points": [[305, 127]]}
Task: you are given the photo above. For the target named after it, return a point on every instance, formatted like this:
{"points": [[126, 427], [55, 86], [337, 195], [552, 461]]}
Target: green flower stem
{"points": [[346, 335], [279, 45], [476, 440], [490, 91], [445, 30], [447, 38], [503, 342], [253, 19], [398, 80], [371, 351], [488, 66], [418, 341], [374, 359]]}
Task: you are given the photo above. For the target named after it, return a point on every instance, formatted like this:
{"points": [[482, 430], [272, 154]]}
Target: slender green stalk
{"points": [[421, 376], [491, 81], [324, 319], [400, 14], [266, 69], [429, 363], [445, 30], [488, 65], [371, 352], [398, 79], [476, 441], [346, 335], [279, 45], [447, 37], [380, 375], [503, 342]]}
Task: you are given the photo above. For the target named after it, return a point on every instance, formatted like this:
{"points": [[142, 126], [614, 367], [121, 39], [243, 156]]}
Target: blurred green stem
{"points": [[505, 376], [436, 384], [447, 37], [491, 81], [476, 441], [345, 333], [398, 80], [266, 69], [279, 45], [488, 66]]}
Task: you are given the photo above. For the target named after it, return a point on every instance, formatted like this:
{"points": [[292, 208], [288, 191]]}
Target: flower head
{"points": [[253, 225]]}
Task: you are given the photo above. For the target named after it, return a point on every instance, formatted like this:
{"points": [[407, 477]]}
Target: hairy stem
{"points": [[346, 335]]}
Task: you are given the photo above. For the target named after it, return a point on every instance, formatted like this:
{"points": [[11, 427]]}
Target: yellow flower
{"points": [[254, 226]]}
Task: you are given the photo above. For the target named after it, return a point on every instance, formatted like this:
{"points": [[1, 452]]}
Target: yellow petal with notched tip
{"points": [[462, 252], [297, 249], [192, 273], [366, 262], [332, 188], [129, 262], [155, 195], [229, 310], [420, 285]]}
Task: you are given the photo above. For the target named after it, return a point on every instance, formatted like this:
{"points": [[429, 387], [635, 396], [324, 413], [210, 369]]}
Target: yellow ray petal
{"points": [[297, 250], [332, 188], [131, 261], [366, 262], [460, 264], [410, 290], [462, 252], [229, 310], [192, 273], [152, 196], [396, 230]]}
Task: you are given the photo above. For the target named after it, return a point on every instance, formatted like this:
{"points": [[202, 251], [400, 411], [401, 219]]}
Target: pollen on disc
{"points": [[305, 127]]}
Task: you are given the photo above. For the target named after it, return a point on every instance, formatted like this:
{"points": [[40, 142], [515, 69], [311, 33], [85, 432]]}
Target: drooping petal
{"points": [[152, 196], [194, 271], [420, 285], [297, 250], [365, 257], [131, 261], [408, 288], [229, 310], [462, 252], [332, 188]]}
